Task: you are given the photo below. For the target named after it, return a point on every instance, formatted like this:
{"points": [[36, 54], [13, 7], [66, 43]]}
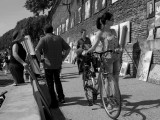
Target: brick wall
{"points": [[123, 10]]}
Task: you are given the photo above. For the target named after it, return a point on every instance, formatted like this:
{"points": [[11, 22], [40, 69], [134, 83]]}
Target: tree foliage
{"points": [[6, 39], [33, 26], [37, 6]]}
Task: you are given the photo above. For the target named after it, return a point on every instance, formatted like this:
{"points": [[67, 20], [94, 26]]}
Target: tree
{"points": [[33, 26], [5, 40], [37, 6]]}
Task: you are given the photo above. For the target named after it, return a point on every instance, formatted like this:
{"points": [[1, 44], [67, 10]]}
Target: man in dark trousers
{"points": [[84, 43], [53, 46]]}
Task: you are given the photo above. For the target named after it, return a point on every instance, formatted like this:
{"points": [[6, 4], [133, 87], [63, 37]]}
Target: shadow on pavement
{"points": [[69, 67], [70, 75], [123, 97], [75, 101], [6, 82], [136, 107], [58, 115]]}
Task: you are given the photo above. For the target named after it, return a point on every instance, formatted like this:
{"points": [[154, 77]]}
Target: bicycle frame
{"points": [[100, 71]]}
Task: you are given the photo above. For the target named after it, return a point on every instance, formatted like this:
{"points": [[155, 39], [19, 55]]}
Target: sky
{"points": [[12, 11]]}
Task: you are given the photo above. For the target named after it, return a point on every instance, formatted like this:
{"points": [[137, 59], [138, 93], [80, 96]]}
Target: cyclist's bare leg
{"points": [[116, 68], [108, 72]]}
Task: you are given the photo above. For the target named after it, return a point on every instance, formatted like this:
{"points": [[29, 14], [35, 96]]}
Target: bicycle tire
{"points": [[111, 100], [89, 89]]}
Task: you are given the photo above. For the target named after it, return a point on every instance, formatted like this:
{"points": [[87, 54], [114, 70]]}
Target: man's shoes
{"points": [[62, 101]]}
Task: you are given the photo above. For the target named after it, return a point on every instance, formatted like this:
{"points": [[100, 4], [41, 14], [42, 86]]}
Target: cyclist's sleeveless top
{"points": [[111, 43]]}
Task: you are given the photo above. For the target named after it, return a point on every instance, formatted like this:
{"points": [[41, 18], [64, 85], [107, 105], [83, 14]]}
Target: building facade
{"points": [[140, 16]]}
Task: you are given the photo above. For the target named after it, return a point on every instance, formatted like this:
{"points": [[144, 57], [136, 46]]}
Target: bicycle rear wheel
{"points": [[110, 96], [90, 92]]}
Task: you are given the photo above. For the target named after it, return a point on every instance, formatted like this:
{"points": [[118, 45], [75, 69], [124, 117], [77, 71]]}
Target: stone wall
{"points": [[123, 10]]}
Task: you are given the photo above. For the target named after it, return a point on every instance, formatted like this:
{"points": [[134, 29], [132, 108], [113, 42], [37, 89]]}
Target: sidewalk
{"points": [[141, 100], [19, 103]]}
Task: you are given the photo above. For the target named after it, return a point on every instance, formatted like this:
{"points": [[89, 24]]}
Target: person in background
{"points": [[1, 61], [6, 61], [83, 43], [17, 62], [53, 46]]}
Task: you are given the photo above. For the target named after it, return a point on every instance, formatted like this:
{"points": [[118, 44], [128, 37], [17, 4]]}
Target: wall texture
{"points": [[134, 11]]}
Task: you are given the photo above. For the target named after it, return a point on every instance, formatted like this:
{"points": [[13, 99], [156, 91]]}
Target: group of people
{"points": [[109, 41], [4, 62], [52, 47]]}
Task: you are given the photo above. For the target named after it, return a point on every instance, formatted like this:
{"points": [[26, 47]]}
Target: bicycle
{"points": [[108, 87], [89, 80]]}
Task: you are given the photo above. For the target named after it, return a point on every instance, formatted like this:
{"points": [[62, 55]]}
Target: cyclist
{"points": [[109, 41]]}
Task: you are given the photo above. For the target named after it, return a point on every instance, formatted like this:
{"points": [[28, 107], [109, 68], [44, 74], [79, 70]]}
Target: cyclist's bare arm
{"points": [[97, 40]]}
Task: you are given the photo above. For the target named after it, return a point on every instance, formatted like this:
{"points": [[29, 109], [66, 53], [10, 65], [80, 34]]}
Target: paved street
{"points": [[141, 100]]}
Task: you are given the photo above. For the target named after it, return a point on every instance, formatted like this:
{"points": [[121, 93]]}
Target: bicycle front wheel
{"points": [[110, 96]]}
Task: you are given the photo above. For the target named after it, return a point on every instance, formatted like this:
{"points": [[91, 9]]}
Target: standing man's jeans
{"points": [[52, 75]]}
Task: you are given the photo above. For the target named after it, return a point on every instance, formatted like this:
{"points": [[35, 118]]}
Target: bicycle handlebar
{"points": [[103, 52]]}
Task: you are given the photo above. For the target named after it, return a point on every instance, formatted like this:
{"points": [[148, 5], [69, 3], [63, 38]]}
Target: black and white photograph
{"points": [[63, 27], [157, 32], [80, 60], [157, 13], [67, 23], [113, 1], [104, 3], [150, 9], [96, 6], [87, 9], [79, 14], [72, 22]]}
